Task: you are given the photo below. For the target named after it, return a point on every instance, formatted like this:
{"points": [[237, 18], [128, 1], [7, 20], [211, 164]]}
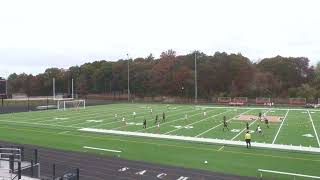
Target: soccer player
{"points": [[186, 117], [247, 138], [115, 116], [158, 128], [144, 123], [124, 121], [150, 111], [168, 106], [225, 124], [259, 130], [204, 113], [134, 115], [266, 121], [247, 124], [156, 120], [260, 116], [163, 117]]}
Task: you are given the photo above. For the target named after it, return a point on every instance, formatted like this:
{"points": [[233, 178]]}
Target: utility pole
{"points": [[128, 79], [195, 79], [54, 88], [72, 93]]}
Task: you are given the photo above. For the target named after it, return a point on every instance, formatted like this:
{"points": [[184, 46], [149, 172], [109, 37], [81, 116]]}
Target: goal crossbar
{"points": [[65, 104]]}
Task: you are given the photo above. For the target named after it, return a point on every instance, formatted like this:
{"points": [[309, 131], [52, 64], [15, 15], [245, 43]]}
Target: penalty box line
{"points": [[198, 121], [285, 117], [249, 126], [221, 124], [172, 121], [315, 131]]}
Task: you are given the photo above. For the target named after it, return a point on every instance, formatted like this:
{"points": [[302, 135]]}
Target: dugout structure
{"points": [[71, 104], [297, 101], [263, 100], [224, 100]]}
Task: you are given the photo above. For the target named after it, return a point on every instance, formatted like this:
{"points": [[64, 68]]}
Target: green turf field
{"points": [[60, 129]]}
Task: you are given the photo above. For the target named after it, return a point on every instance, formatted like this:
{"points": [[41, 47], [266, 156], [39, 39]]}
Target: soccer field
{"points": [[62, 129]]}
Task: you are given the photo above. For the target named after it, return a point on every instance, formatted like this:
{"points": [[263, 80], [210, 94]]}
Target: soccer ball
{"points": [[205, 162]]}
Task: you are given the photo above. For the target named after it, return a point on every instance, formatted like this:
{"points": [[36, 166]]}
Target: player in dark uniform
{"points": [[266, 121], [247, 124], [260, 114], [156, 120], [225, 124], [163, 116], [144, 123]]}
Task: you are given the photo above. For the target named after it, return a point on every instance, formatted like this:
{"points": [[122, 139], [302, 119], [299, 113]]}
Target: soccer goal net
{"points": [[297, 101], [262, 100], [224, 100], [71, 104]]}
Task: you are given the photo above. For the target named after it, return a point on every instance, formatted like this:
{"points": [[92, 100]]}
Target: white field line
{"points": [[41, 124], [285, 117], [206, 140], [63, 132], [243, 130], [315, 131], [198, 121], [220, 124], [155, 125], [91, 113], [102, 111], [221, 148], [249, 126], [290, 174], [273, 108], [96, 114], [69, 115], [98, 125], [100, 149], [171, 121]]}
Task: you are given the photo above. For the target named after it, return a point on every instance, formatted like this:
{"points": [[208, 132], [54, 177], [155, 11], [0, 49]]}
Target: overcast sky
{"points": [[37, 34]]}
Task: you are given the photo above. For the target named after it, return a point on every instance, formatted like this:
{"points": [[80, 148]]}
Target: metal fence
{"points": [[26, 161]]}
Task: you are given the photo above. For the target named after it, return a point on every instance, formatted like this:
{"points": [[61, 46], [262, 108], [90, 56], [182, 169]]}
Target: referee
{"points": [[247, 138]]}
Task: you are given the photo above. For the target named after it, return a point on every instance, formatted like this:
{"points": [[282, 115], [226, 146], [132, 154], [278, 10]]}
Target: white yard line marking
{"points": [[249, 126], [63, 132], [176, 112], [243, 130], [285, 117], [221, 124], [222, 142], [314, 128], [221, 148], [170, 121], [198, 121], [100, 149], [273, 108]]}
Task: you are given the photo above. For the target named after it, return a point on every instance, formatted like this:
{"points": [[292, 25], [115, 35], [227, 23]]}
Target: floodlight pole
{"points": [[195, 79], [54, 88], [128, 79], [72, 88]]}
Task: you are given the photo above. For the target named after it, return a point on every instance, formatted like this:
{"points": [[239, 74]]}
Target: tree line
{"points": [[218, 75]]}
